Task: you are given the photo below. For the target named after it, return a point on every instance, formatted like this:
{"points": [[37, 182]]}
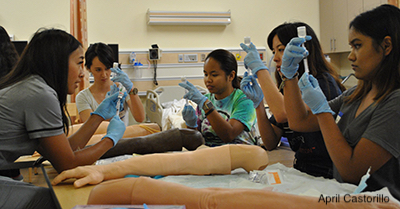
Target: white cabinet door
{"points": [[333, 25], [341, 25], [326, 25]]}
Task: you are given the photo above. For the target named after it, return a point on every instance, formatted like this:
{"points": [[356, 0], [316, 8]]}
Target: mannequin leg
{"points": [[130, 131], [137, 191], [141, 130], [248, 157], [169, 140]]}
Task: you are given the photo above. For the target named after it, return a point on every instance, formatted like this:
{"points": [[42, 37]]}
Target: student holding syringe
{"points": [[99, 61], [311, 155]]}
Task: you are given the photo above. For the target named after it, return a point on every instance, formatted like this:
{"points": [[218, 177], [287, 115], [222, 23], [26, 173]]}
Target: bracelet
{"points": [[285, 79], [209, 112]]}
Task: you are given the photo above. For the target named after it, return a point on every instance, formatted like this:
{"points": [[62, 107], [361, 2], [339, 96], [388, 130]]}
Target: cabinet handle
{"points": [[334, 44], [330, 44]]}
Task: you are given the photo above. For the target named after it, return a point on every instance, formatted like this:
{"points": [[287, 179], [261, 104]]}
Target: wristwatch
{"points": [[208, 107], [134, 91]]}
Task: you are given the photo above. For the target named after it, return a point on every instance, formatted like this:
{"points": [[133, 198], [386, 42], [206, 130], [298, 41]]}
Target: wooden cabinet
{"points": [[335, 16], [370, 4]]}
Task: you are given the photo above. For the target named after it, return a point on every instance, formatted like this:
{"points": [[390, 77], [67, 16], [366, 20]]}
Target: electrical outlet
{"points": [[180, 57], [203, 57], [190, 57]]}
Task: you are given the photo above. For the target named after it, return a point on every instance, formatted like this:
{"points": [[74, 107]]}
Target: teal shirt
{"points": [[235, 106]]}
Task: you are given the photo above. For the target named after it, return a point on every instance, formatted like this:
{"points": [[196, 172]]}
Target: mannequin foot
{"points": [[191, 139]]}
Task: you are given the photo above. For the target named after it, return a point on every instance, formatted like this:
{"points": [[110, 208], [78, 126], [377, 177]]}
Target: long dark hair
{"points": [[47, 55], [317, 63], [378, 23], [102, 51], [8, 54], [227, 63]]}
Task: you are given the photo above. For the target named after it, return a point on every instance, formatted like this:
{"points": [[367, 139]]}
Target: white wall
{"points": [[124, 21], [23, 17]]}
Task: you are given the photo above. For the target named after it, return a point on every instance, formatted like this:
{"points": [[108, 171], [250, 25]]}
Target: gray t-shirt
{"points": [[29, 110], [378, 123]]}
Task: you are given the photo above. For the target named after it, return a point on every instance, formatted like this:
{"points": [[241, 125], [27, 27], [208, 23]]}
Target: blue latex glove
{"points": [[313, 95], [115, 129], [107, 108], [193, 94], [123, 78], [114, 89], [251, 88], [189, 116], [293, 55], [252, 59]]}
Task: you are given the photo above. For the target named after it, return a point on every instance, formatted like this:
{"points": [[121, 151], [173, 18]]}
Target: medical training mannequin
{"points": [[365, 134], [311, 155], [143, 190], [32, 111], [130, 131], [216, 160], [225, 115]]}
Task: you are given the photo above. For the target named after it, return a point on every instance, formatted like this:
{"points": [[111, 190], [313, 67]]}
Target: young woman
{"points": [[32, 110], [365, 133], [33, 118], [223, 116], [311, 155], [8, 59], [99, 62]]}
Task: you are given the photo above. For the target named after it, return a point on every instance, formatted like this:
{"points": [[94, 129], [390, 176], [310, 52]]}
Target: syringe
{"points": [[301, 33], [247, 42], [184, 80], [120, 91]]}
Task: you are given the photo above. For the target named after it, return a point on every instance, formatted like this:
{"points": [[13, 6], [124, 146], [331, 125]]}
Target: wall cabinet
{"points": [[335, 16]]}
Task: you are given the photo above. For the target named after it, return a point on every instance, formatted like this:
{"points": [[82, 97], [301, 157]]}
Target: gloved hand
{"points": [[115, 129], [252, 59], [193, 94], [293, 55], [189, 116], [313, 95], [107, 108], [251, 88], [123, 78], [113, 90]]}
